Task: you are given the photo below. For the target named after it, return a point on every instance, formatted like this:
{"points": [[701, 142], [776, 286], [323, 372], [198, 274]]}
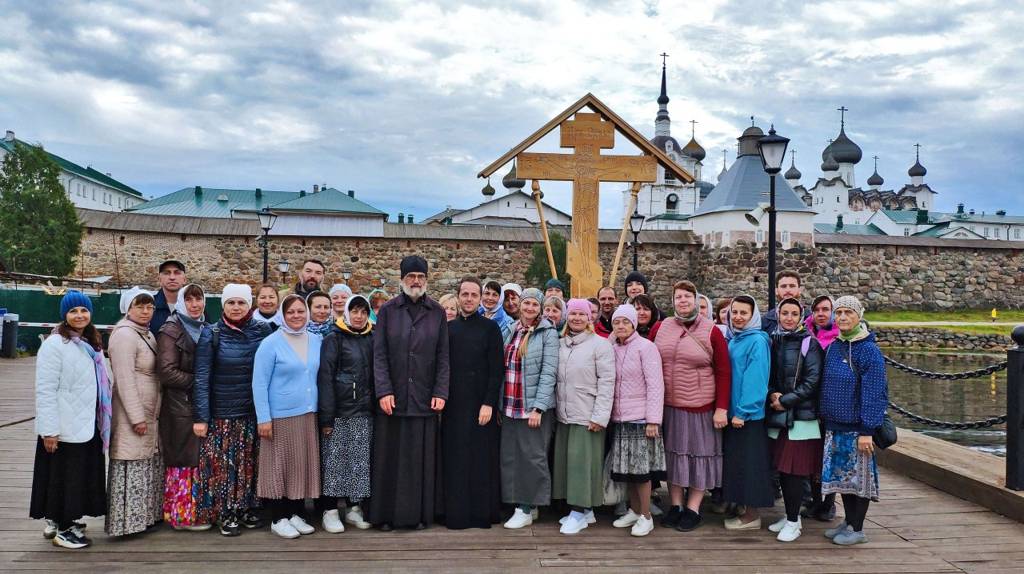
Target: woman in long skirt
{"points": [[73, 408], [747, 472], [136, 475], [176, 348], [583, 402], [285, 396]]}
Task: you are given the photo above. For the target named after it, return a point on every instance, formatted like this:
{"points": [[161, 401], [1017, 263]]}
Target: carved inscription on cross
{"points": [[586, 168]]}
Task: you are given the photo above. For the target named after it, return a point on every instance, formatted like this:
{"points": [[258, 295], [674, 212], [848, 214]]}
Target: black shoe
{"points": [[229, 528], [671, 518], [70, 539], [825, 513], [421, 526], [252, 520], [690, 520], [385, 527]]}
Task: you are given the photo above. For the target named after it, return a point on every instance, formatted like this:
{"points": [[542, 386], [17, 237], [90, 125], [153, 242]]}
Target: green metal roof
{"points": [[909, 216], [76, 169], [225, 203], [848, 229], [329, 200]]}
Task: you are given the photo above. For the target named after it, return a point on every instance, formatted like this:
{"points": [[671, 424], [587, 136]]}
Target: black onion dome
{"points": [[830, 163], [793, 172], [844, 150], [917, 170], [488, 190], [825, 152], [875, 179], [511, 181], [694, 150]]}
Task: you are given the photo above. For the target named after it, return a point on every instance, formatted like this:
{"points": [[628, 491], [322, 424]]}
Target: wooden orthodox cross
{"points": [[587, 134]]}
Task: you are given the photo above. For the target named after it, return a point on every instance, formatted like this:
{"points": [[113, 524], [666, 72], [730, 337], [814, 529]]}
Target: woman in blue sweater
{"points": [[284, 392], [854, 395], [746, 464]]}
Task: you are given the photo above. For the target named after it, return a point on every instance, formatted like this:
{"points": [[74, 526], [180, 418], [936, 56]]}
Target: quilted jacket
{"points": [[65, 391], [223, 385]]}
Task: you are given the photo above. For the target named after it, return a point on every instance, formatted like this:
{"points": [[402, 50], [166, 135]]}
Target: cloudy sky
{"points": [[406, 101]]}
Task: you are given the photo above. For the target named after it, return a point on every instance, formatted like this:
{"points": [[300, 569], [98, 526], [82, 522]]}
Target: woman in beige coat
{"points": [[135, 478]]}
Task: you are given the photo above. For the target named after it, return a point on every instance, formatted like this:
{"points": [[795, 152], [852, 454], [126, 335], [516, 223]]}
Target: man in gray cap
{"points": [[410, 369]]}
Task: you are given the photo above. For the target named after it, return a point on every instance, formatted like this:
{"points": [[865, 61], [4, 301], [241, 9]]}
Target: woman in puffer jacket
{"points": [[638, 452], [792, 421], [583, 402], [223, 414]]}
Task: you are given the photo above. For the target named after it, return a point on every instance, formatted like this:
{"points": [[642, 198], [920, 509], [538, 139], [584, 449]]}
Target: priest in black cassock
{"points": [[410, 367], [469, 429]]}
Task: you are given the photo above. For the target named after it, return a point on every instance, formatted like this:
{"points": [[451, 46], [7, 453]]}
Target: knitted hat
{"points": [[627, 311], [413, 264], [639, 278], [128, 297], [74, 299], [534, 294], [579, 305], [554, 283], [237, 291], [849, 302], [340, 287], [513, 287]]}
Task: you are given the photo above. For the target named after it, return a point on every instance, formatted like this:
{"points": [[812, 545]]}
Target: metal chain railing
{"points": [[965, 425]]}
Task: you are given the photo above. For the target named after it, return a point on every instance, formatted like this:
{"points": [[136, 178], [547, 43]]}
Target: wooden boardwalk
{"points": [[914, 529]]}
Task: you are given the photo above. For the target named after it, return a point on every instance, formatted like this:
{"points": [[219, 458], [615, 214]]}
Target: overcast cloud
{"points": [[406, 102]]}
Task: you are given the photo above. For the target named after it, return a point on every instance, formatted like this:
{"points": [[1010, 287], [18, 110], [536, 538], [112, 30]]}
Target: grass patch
{"points": [[967, 315], [965, 329]]}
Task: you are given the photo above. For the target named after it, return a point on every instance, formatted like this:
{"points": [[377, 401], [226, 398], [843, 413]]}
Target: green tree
{"points": [[539, 271], [39, 229]]}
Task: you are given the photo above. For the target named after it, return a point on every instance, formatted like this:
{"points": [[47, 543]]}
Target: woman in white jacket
{"points": [[73, 406]]}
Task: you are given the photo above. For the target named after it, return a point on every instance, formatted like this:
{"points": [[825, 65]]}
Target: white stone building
{"points": [[514, 209], [86, 187]]}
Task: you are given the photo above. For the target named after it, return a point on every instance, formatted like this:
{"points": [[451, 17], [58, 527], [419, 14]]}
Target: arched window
{"points": [[671, 202]]}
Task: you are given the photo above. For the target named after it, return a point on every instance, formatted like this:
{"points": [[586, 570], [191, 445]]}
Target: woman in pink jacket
{"points": [[637, 453]]}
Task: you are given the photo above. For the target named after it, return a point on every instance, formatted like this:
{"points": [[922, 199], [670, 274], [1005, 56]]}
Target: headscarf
{"points": [[345, 322], [860, 331], [779, 330], [711, 308], [340, 287], [753, 325], [487, 311], [237, 291], [370, 297], [284, 324], [192, 326], [321, 328], [128, 297]]}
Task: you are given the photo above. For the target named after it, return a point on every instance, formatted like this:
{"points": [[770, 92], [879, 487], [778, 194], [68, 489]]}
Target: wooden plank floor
{"points": [[915, 528]]}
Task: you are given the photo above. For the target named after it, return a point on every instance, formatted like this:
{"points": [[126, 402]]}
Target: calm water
{"points": [[966, 400]]}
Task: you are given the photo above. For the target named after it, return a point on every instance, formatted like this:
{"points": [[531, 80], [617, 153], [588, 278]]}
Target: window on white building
{"points": [[906, 232], [671, 203], [119, 202], [1016, 233], [669, 176], [984, 231], [94, 195]]}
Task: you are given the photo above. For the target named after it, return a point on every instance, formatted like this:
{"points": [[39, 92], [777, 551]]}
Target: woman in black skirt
{"points": [[73, 406], [746, 464]]}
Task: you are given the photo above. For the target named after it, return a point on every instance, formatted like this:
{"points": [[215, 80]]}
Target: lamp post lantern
{"points": [[772, 148], [283, 267], [267, 219], [636, 224], [346, 275]]}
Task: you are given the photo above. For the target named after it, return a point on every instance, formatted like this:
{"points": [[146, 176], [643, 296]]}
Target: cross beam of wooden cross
{"points": [[586, 168]]}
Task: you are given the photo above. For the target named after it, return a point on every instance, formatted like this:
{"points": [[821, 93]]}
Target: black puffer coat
{"points": [[223, 370], [796, 375], [345, 380]]}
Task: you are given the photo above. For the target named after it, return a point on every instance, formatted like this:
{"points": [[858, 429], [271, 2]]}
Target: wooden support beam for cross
{"points": [[586, 168], [633, 192], [537, 196]]}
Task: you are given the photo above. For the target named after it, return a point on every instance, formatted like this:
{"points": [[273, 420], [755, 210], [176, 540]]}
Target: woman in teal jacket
{"points": [[746, 468]]}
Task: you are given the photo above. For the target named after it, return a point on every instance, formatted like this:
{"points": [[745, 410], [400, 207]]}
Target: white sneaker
{"points": [[354, 516], [519, 519], [284, 529], [642, 527], [778, 524], [789, 532], [301, 525], [588, 515], [628, 519], [332, 522], [573, 525], [50, 530]]}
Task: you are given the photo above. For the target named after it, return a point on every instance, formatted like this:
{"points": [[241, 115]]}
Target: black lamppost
{"points": [[267, 219], [636, 223], [283, 267], [772, 148]]}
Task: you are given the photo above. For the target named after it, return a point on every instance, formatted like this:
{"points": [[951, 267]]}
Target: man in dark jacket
{"points": [[410, 366], [171, 278], [787, 286]]}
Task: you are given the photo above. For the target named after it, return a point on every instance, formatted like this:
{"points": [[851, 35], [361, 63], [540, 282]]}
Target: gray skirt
{"points": [[525, 476], [693, 449], [634, 457], [289, 463], [135, 495]]}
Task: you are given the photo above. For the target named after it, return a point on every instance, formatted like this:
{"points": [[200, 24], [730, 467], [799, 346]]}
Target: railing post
{"points": [[1015, 412]]}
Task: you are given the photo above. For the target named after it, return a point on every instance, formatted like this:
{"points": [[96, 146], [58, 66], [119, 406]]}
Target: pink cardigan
{"points": [[639, 385]]}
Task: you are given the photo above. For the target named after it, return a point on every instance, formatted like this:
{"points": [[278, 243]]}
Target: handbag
{"points": [[885, 435]]}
